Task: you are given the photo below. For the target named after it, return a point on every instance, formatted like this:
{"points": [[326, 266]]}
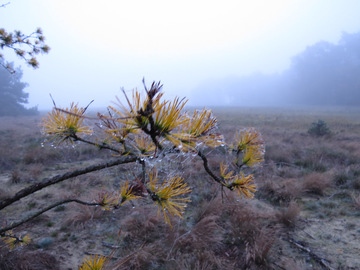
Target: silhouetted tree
{"points": [[12, 95]]}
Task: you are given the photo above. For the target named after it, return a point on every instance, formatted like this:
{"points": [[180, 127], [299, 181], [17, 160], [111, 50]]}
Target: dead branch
{"points": [[320, 260]]}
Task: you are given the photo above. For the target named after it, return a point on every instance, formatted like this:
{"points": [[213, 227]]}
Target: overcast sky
{"points": [[97, 47]]}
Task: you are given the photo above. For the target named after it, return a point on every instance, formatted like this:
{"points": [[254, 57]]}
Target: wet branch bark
{"points": [[61, 177], [38, 213], [207, 169]]}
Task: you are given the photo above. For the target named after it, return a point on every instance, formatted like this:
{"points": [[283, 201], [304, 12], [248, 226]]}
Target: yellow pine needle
{"points": [[93, 262], [167, 115], [201, 123], [223, 171], [129, 115], [117, 135], [165, 195], [106, 200], [144, 145], [181, 141], [126, 194], [115, 131], [26, 239], [244, 185], [135, 107], [61, 125], [247, 138], [12, 241], [253, 156], [196, 130]]}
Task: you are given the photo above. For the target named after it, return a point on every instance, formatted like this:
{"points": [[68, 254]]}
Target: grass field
{"points": [[305, 214]]}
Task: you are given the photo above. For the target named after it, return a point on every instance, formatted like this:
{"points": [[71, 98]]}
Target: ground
{"points": [[305, 214]]}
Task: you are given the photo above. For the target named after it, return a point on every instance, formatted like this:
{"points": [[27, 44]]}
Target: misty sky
{"points": [[97, 47]]}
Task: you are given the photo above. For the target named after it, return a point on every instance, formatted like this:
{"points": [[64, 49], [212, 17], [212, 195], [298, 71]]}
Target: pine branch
{"points": [[38, 213], [61, 177]]}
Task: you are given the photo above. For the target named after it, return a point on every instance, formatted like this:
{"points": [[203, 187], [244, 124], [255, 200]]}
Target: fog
{"points": [[235, 53]]}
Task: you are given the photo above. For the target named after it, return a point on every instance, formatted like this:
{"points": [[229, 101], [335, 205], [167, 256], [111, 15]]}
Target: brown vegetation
{"points": [[308, 191]]}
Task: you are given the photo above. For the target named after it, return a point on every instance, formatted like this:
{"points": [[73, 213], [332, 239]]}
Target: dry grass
{"points": [[316, 183], [289, 215], [27, 260], [250, 235], [80, 215], [356, 201], [204, 233], [141, 258], [280, 190], [3, 193], [292, 264]]}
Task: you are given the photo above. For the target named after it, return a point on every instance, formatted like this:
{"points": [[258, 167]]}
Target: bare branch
{"points": [[61, 177], [38, 213], [207, 169]]}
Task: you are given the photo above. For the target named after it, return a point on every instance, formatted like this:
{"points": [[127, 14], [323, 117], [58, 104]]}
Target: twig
{"points": [[110, 246], [127, 258], [14, 225], [322, 261], [207, 169], [173, 245]]}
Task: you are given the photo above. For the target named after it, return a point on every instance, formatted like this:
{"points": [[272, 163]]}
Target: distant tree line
{"points": [[324, 74], [327, 74]]}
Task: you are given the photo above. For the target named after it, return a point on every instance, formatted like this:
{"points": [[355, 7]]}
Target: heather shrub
{"points": [[289, 215], [316, 183]]}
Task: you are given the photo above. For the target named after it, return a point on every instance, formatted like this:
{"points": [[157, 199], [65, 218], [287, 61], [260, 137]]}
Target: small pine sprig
{"points": [[247, 138], [127, 193], [133, 115], [243, 184], [196, 130], [64, 125], [114, 130], [144, 145], [252, 156], [166, 195], [93, 262], [249, 148], [109, 201], [168, 116], [13, 241]]}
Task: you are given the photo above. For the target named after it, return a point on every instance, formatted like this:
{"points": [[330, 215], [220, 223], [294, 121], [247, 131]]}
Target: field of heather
{"points": [[305, 214]]}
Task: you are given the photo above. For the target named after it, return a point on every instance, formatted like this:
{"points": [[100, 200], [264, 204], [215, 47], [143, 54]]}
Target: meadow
{"points": [[305, 214]]}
